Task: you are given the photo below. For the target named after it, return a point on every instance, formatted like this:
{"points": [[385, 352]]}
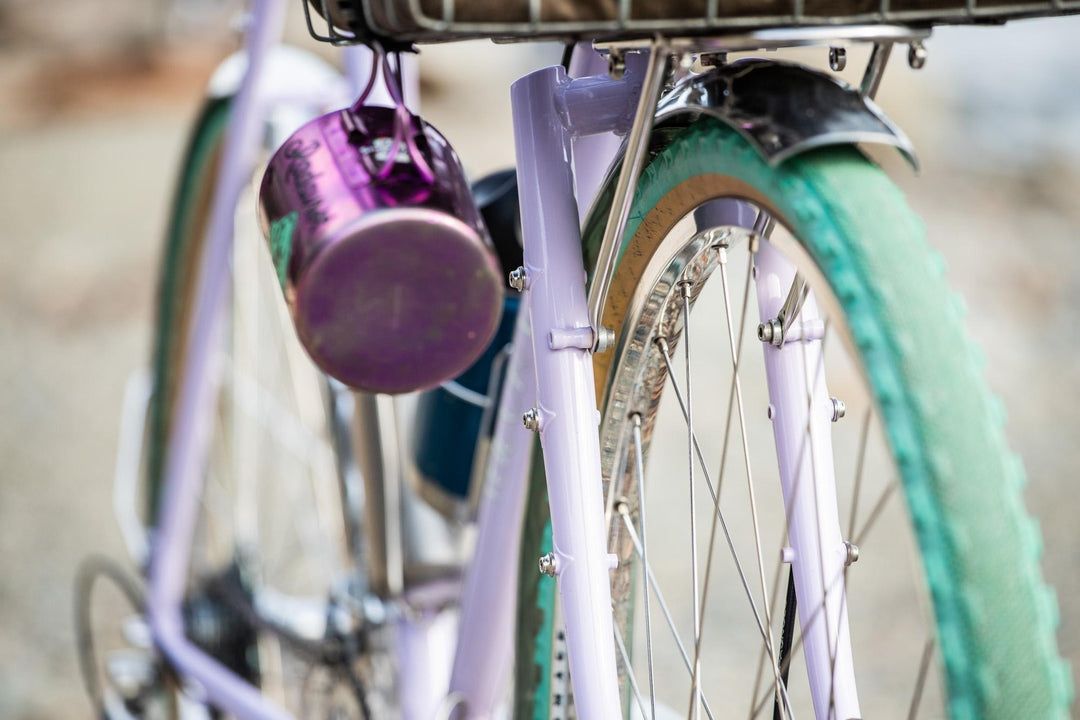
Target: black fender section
{"points": [[782, 109]]}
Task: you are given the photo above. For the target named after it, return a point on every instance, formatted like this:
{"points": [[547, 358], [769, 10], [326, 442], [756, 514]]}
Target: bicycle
{"points": [[747, 166]]}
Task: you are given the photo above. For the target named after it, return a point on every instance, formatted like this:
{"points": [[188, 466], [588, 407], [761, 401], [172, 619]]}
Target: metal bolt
{"points": [[771, 332], [531, 419], [852, 554], [916, 55], [605, 340], [547, 564], [616, 64], [517, 279], [839, 409], [837, 58]]}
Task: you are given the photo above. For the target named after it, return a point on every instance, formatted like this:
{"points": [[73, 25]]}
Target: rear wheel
{"points": [[923, 478], [269, 557]]}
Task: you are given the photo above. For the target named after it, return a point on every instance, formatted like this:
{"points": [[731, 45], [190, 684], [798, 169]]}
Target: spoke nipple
{"points": [[612, 561], [787, 555], [531, 419], [662, 343], [622, 506], [837, 58], [605, 340], [839, 409], [548, 565], [517, 279], [684, 288], [721, 239], [635, 419], [851, 553]]}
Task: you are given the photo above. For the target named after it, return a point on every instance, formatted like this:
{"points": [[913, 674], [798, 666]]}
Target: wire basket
{"points": [[403, 22]]}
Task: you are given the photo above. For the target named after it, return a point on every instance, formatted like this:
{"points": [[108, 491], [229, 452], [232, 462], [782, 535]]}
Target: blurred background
{"points": [[95, 103]]}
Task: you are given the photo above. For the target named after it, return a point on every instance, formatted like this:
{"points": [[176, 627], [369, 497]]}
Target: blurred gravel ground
{"points": [[90, 135]]}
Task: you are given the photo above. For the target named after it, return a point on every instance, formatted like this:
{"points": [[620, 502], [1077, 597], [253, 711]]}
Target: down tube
{"points": [[568, 419], [485, 650]]}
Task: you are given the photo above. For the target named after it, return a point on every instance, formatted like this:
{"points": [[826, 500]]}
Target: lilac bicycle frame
{"points": [[556, 118]]}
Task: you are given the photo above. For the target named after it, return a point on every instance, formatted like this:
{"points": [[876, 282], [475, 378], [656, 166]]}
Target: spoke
{"points": [[733, 392], [767, 697], [779, 561], [665, 353], [624, 511], [779, 686], [719, 514], [629, 670], [811, 378], [772, 599], [859, 469], [695, 692], [920, 681], [639, 470], [875, 513]]}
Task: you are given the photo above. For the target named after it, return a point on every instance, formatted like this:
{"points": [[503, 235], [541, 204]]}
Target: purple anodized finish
{"points": [[385, 263]]}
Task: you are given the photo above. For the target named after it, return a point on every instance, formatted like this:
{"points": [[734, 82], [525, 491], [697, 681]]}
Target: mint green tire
{"points": [[184, 237], [991, 644]]}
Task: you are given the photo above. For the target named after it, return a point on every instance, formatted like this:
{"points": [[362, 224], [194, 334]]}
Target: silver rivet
{"points": [[852, 554], [517, 279], [916, 55], [531, 419], [837, 58], [547, 564], [839, 409]]}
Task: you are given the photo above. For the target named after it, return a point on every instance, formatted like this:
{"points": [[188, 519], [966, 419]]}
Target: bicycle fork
{"points": [[562, 340], [802, 412], [550, 110]]}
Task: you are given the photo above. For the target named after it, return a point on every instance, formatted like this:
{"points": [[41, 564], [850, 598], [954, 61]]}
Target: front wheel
{"points": [[920, 464]]}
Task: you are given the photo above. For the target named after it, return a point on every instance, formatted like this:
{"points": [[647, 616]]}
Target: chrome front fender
{"points": [[782, 109]]}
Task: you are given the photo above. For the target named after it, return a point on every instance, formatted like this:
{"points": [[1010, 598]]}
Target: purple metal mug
{"points": [[380, 250]]}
